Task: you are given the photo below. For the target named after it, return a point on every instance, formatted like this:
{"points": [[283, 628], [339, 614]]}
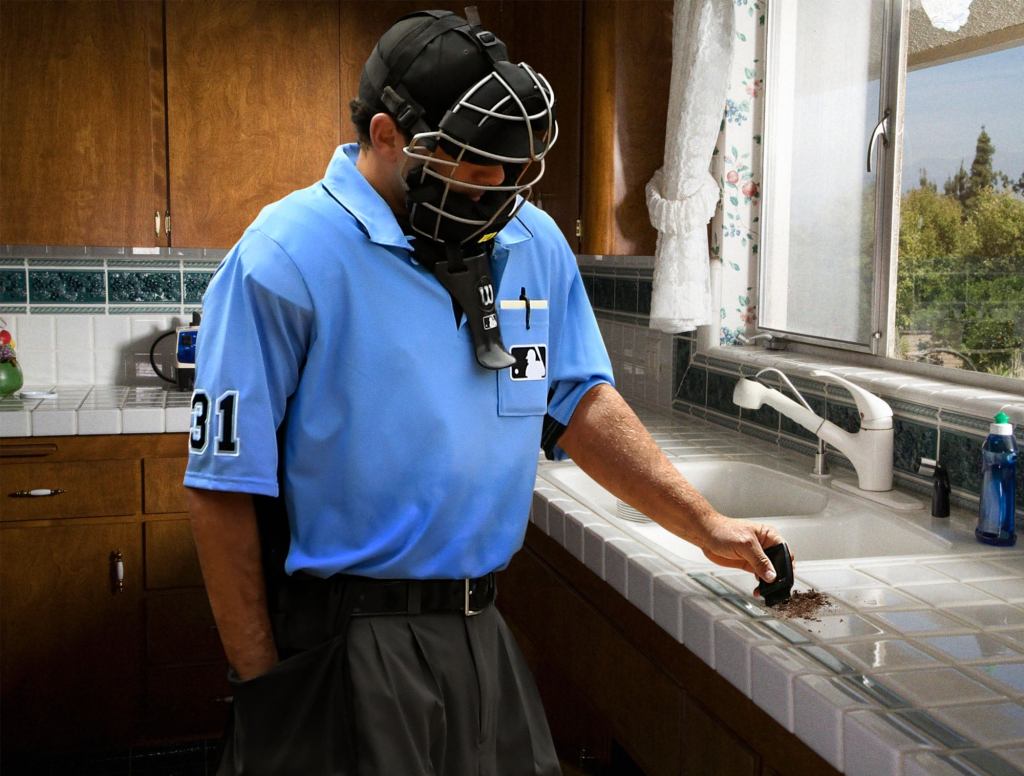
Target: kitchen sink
{"points": [[734, 488], [818, 522]]}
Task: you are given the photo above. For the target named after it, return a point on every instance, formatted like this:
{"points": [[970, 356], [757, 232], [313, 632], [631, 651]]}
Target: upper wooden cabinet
{"points": [[548, 36], [627, 61], [81, 122], [253, 109], [114, 111]]}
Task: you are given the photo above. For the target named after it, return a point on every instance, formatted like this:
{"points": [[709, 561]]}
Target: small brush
{"points": [[778, 591]]}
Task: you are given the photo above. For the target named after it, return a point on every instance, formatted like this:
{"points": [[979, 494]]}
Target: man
{"points": [[386, 351]]}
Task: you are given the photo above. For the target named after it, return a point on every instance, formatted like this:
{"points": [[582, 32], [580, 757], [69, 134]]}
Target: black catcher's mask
{"points": [[449, 85]]}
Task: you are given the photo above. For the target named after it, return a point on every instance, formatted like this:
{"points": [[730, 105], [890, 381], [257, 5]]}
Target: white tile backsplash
{"points": [[74, 332], [36, 332], [75, 367], [92, 349], [38, 366]]}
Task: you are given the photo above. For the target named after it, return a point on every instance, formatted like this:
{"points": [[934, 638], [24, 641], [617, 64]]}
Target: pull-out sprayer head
{"points": [[748, 394]]}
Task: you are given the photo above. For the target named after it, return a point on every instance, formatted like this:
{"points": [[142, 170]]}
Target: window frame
{"points": [[887, 156]]}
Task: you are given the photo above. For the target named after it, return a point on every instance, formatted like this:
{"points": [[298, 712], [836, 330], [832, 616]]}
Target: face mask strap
{"points": [[465, 274]]}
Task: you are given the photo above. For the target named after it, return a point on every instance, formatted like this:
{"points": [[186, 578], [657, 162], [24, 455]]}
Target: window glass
{"points": [[960, 278], [818, 239]]}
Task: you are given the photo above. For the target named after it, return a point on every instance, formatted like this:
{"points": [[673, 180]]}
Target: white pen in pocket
{"points": [[520, 304]]}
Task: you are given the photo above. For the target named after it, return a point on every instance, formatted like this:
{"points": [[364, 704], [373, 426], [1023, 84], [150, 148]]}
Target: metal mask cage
{"points": [[422, 148]]}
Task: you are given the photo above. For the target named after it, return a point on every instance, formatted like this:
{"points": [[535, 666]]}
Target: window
{"points": [[893, 216]]}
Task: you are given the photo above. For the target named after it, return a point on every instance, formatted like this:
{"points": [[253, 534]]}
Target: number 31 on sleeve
{"points": [[226, 432]]}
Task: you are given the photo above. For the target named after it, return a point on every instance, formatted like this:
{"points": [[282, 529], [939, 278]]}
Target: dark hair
{"points": [[361, 114]]}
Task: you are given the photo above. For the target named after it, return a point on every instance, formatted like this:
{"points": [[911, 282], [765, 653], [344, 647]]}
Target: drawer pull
{"points": [[27, 451], [116, 571], [36, 493]]}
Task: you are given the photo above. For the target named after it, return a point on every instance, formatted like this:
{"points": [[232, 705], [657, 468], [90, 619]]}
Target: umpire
{"points": [[381, 355]]}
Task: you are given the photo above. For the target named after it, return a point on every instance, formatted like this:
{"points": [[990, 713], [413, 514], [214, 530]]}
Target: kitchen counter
{"points": [[47, 410], [917, 666]]}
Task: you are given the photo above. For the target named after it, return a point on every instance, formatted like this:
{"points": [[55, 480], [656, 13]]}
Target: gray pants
{"points": [[395, 695]]}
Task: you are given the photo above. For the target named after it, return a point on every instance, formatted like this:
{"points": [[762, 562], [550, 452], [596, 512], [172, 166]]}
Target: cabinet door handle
{"points": [[36, 493], [156, 222], [33, 451], [116, 571]]}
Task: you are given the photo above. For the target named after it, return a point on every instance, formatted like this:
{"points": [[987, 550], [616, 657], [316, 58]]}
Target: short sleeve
{"points": [[581, 360], [251, 347]]}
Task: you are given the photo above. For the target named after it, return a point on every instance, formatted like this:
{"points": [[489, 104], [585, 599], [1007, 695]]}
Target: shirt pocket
{"points": [[523, 387]]}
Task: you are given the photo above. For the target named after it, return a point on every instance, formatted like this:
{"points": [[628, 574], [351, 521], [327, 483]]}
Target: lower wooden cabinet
{"points": [[107, 636], [611, 679], [70, 664]]}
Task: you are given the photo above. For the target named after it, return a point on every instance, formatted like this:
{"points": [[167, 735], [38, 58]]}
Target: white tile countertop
{"points": [[917, 666], [48, 410]]}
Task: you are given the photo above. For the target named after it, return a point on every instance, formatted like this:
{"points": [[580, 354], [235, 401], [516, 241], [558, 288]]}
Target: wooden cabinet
{"points": [[70, 666], [596, 656], [118, 111], [88, 659], [627, 61], [252, 105], [253, 109], [82, 144]]}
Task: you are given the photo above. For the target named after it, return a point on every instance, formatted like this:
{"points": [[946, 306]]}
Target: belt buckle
{"points": [[466, 610]]}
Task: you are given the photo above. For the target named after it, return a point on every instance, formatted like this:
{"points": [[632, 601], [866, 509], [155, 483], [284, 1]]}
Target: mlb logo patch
{"points": [[531, 362]]}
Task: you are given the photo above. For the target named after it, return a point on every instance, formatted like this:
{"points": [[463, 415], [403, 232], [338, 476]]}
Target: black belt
{"points": [[422, 596], [367, 596]]}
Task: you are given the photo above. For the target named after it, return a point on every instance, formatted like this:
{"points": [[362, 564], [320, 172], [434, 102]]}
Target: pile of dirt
{"points": [[803, 605]]}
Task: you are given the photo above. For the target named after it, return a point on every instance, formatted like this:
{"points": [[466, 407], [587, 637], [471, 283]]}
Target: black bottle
{"points": [[940, 491]]}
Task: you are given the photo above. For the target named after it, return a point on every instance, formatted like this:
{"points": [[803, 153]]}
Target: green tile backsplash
{"points": [[64, 280], [13, 286], [133, 287], [69, 286]]}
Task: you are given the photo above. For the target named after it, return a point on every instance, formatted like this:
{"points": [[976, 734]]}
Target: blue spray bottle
{"points": [[998, 486]]}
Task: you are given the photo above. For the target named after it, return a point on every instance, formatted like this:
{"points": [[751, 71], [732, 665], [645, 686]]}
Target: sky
{"points": [[947, 106]]}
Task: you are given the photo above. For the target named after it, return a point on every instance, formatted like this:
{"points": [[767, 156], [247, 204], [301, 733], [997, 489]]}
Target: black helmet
{"points": [[448, 81]]}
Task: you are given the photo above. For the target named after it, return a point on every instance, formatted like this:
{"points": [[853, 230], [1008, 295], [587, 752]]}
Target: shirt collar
{"points": [[515, 231], [354, 193]]}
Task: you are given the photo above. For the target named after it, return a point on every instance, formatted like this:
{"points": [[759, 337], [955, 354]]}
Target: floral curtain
{"points": [[735, 230]]}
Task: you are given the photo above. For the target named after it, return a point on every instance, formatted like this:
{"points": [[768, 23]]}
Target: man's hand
{"points": [[740, 544], [608, 441]]}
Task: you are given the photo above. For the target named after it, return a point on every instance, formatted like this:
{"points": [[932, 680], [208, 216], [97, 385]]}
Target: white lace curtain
{"points": [[682, 195]]}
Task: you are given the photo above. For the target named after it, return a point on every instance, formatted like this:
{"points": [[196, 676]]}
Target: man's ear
{"points": [[385, 137]]}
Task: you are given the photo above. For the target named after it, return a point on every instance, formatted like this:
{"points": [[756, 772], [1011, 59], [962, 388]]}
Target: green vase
{"points": [[10, 377]]}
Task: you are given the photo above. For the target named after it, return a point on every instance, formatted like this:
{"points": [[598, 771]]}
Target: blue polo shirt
{"points": [[329, 365]]}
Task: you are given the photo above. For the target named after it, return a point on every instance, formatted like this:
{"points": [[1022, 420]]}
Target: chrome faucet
{"points": [[869, 449], [771, 342]]}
